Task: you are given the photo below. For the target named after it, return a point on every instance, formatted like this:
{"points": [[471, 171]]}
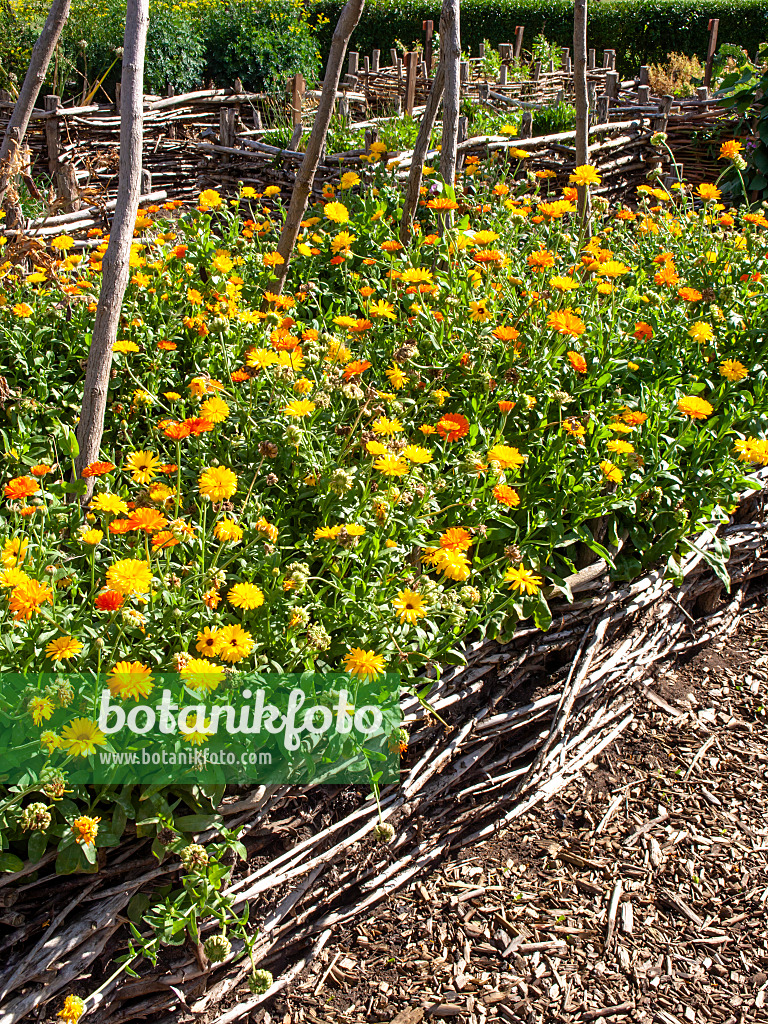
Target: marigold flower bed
{"points": [[411, 445]]}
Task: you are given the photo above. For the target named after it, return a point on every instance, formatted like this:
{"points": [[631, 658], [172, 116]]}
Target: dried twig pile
{"points": [[524, 718]]}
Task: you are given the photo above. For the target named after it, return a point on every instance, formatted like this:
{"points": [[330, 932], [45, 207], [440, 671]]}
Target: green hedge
{"points": [[640, 31]]}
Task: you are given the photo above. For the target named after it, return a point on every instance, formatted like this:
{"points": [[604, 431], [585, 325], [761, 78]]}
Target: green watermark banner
{"points": [[133, 726]]}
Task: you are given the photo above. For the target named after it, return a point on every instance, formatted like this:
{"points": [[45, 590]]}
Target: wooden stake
{"points": [[581, 97], [712, 27], [450, 51], [348, 19], [42, 52], [429, 29], [411, 67], [519, 29], [420, 150], [115, 267]]}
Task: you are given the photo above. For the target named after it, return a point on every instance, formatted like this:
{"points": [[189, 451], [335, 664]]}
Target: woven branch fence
{"points": [[523, 718], [214, 138]]}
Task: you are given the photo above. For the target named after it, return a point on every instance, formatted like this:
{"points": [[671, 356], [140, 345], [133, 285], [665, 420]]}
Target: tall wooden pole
{"points": [[38, 68], [348, 19], [450, 54], [115, 265], [420, 151], [582, 102]]}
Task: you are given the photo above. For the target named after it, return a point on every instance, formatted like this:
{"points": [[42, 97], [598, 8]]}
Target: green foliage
{"points": [[560, 117], [259, 41], [639, 30], [744, 90]]}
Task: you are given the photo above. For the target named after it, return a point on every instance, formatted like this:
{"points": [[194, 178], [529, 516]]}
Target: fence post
{"points": [[526, 125], [519, 29], [375, 58], [52, 135], [353, 59], [713, 26], [429, 29], [298, 87], [590, 60], [411, 66]]}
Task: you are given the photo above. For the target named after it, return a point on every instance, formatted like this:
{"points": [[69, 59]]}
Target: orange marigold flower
{"points": [[355, 368], [643, 331], [578, 362], [109, 601], [453, 426], [97, 469], [565, 321], [506, 495], [20, 487]]}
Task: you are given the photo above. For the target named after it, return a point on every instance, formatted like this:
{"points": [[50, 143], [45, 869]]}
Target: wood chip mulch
{"points": [[639, 894]]}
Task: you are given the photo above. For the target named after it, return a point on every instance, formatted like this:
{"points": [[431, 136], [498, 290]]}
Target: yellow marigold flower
{"points": [[109, 503], [391, 465], [73, 1010], [62, 242], [130, 576], [349, 179], [611, 472], [214, 409], [386, 427], [733, 370], [85, 829], [227, 531], [410, 606], [696, 408], [27, 597], [130, 679], [199, 674], [336, 212], [701, 331], [92, 537], [396, 377], [362, 664], [452, 563], [415, 453], [210, 199], [81, 737], [218, 483], [563, 284], [246, 596], [234, 643], [142, 466], [524, 581], [14, 551], [585, 175], [123, 345], [299, 408], [620, 447], [63, 648], [506, 455], [41, 709], [259, 358], [708, 192]]}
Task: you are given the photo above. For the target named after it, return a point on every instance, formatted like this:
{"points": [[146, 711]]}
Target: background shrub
{"points": [[640, 31], [262, 42]]}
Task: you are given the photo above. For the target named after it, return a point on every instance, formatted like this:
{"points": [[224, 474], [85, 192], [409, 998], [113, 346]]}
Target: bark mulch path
{"points": [[639, 894]]}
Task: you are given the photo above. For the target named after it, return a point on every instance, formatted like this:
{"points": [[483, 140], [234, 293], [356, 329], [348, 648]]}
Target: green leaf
{"points": [[9, 862]]}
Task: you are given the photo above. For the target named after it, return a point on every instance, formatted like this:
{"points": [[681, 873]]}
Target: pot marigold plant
{"points": [[405, 447]]}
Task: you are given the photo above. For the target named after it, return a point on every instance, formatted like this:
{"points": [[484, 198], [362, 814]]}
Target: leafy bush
{"points": [[259, 41], [559, 117], [639, 30], [679, 76]]}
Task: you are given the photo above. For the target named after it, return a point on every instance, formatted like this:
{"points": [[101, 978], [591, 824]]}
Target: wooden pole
{"points": [[450, 50], [411, 67], [519, 29], [305, 178], [115, 266], [582, 101], [713, 26], [429, 29], [420, 150], [38, 68]]}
